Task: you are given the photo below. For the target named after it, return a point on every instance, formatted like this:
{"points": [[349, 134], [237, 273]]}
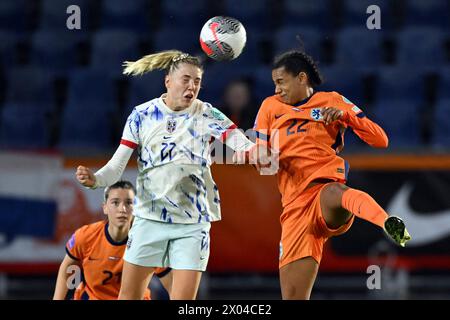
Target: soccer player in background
{"points": [[177, 198], [309, 128], [98, 250]]}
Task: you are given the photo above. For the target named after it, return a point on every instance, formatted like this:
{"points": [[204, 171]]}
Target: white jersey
{"points": [[174, 182]]}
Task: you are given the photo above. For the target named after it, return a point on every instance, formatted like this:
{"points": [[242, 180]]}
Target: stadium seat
{"points": [[184, 39], [367, 54], [89, 112], [8, 47], [443, 87], [400, 118], [421, 47], [14, 15], [345, 80], [306, 13], [54, 14], [30, 85], [59, 47], [92, 85], [218, 75], [130, 15], [142, 89], [179, 14], [429, 13], [264, 86], [354, 12], [441, 124], [250, 13], [400, 82], [24, 125], [286, 39], [110, 48]]}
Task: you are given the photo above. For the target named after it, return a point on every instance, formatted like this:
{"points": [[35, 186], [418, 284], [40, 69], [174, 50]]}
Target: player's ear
{"points": [[104, 208], [303, 78], [167, 81]]}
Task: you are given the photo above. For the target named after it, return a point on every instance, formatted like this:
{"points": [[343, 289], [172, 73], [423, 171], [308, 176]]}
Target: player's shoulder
{"points": [[143, 107], [89, 232]]}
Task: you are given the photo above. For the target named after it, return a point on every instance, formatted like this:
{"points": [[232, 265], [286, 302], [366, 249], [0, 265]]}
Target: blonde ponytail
{"points": [[164, 60]]}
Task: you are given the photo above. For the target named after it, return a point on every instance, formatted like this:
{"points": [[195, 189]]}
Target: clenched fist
{"points": [[85, 176]]}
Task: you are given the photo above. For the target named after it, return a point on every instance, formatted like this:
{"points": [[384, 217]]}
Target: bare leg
{"points": [[135, 279], [185, 284], [331, 204], [297, 279]]}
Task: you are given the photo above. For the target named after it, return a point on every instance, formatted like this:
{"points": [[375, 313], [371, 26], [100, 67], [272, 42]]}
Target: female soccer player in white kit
{"points": [[177, 198]]}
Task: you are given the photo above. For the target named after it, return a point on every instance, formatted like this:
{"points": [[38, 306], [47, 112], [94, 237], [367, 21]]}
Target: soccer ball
{"points": [[223, 38]]}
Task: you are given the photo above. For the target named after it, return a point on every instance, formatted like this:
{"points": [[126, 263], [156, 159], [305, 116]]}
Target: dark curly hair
{"points": [[295, 62]]}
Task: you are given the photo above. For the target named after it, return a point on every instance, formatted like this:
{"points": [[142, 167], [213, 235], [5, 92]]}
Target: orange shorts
{"points": [[303, 228]]}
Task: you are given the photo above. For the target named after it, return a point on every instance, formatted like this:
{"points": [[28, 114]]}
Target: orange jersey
{"points": [[101, 259], [309, 148]]}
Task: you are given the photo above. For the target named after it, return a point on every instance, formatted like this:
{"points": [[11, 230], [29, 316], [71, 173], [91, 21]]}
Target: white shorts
{"points": [[160, 244]]}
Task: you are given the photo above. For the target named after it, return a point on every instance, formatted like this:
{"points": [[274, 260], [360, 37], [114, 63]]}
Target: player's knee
{"points": [[333, 192], [292, 292]]}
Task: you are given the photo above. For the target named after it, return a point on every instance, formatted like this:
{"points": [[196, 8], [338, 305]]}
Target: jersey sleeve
{"points": [[75, 245], [262, 123], [218, 124], [364, 128], [130, 136]]}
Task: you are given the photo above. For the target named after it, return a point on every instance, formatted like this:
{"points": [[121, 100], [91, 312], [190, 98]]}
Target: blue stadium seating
{"points": [[24, 125], [249, 13], [443, 87], [30, 85], [345, 80], [110, 48], [441, 124], [264, 86], [86, 120], [400, 82], [218, 75], [430, 13], [56, 50], [8, 47], [354, 12], [14, 15], [400, 118], [421, 47], [359, 47], [286, 39], [184, 39], [144, 88], [306, 13], [180, 14], [130, 15], [54, 14]]}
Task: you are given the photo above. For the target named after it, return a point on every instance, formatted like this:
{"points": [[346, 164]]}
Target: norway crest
{"points": [[171, 125]]}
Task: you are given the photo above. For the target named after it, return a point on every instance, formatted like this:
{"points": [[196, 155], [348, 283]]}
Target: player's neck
{"points": [[117, 234], [171, 105]]}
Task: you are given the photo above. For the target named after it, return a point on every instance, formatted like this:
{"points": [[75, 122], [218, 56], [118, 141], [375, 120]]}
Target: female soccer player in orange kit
{"points": [[98, 249], [306, 128]]}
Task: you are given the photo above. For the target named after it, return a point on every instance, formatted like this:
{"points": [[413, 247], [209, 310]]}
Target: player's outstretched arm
{"points": [[61, 287]]}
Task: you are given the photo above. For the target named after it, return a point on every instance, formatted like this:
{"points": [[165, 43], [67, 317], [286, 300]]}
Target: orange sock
{"points": [[363, 206]]}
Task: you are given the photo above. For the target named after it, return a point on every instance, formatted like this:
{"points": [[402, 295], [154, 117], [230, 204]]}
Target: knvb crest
{"points": [[171, 125]]}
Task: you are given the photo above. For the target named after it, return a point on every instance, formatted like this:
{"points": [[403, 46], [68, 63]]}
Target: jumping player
{"points": [[308, 127]]}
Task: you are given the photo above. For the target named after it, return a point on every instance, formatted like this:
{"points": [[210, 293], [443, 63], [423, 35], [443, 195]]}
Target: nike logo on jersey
{"points": [[424, 229], [166, 137], [279, 115]]}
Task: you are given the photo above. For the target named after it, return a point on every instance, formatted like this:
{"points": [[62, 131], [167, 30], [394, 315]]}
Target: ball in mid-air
{"points": [[223, 38]]}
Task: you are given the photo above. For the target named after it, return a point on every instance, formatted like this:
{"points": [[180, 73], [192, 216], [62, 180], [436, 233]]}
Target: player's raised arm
{"points": [[364, 128]]}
